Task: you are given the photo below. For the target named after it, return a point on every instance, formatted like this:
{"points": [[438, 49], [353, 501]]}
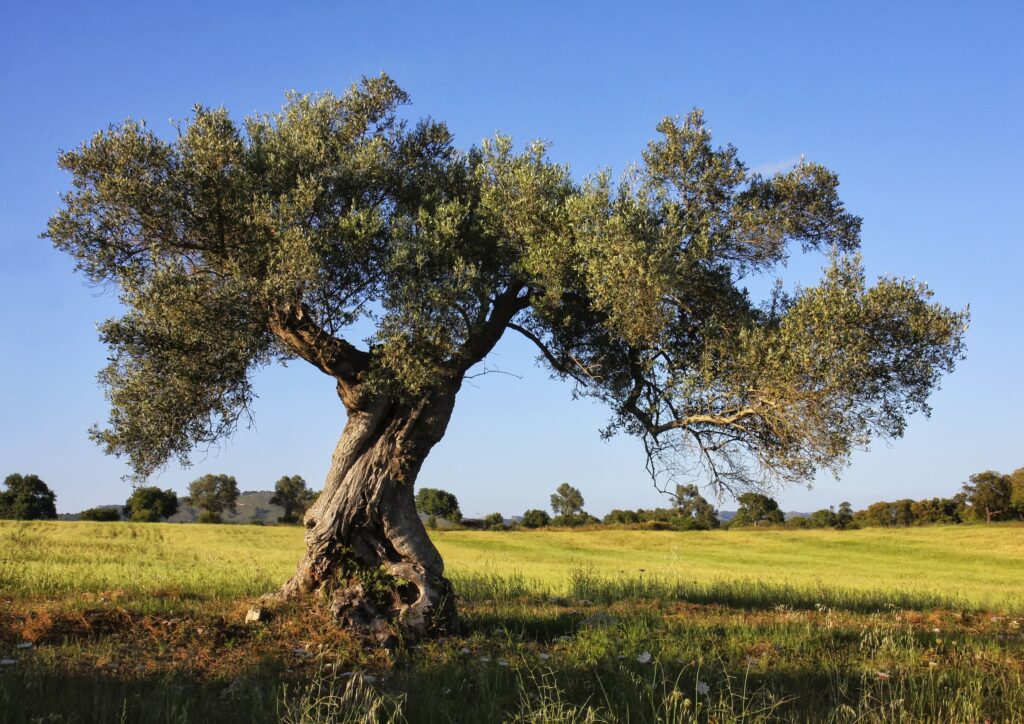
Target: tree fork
{"points": [[365, 520]]}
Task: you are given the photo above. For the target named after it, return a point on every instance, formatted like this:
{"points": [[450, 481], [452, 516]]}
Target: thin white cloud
{"points": [[770, 169]]}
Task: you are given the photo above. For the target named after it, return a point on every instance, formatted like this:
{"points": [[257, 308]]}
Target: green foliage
{"points": [[660, 519], [825, 518], [27, 498], [207, 517], [1017, 492], [292, 494], [235, 245], [494, 521], [844, 517], [574, 520], [990, 495], [535, 518], [149, 504], [691, 504], [213, 494], [937, 511], [906, 512], [757, 509], [567, 501], [438, 503], [101, 515]]}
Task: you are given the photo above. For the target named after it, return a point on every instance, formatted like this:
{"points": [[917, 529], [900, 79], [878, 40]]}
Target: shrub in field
{"points": [[101, 515], [494, 521], [149, 504], [575, 520], [535, 518], [27, 498]]}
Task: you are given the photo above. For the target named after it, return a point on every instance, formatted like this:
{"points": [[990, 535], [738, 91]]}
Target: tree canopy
{"points": [[150, 504], [691, 504], [438, 503], [235, 245], [756, 509], [567, 500], [214, 495], [27, 497], [292, 494], [990, 494]]}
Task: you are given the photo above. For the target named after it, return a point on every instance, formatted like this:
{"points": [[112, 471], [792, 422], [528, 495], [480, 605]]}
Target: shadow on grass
{"points": [[585, 585], [30, 694]]}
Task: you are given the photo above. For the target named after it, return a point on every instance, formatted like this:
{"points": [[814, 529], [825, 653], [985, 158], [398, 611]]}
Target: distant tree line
{"points": [[986, 497]]}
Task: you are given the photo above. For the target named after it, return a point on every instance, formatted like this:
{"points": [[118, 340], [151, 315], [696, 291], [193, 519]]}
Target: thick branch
{"points": [[336, 357], [504, 308]]}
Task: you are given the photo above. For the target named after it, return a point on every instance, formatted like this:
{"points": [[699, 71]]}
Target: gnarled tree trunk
{"points": [[365, 520]]}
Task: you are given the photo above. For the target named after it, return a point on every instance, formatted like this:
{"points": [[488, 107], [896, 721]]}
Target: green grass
{"points": [[143, 623], [966, 567]]}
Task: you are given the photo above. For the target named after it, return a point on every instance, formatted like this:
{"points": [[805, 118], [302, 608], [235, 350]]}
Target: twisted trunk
{"points": [[365, 520]]}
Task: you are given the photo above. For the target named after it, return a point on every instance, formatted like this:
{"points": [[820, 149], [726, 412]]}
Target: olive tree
{"points": [[239, 244]]}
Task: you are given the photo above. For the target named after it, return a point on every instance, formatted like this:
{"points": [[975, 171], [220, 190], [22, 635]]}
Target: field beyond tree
{"points": [[141, 622]]}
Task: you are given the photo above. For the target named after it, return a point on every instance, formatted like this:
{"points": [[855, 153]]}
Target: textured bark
{"points": [[366, 519]]}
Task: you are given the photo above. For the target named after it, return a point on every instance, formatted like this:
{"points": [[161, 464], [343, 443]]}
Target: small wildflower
{"points": [[464, 651], [502, 662], [644, 658], [485, 659], [883, 675], [703, 688], [935, 630], [369, 678], [543, 656]]}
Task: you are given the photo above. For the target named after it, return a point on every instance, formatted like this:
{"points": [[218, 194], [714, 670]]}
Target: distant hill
{"points": [[253, 505]]}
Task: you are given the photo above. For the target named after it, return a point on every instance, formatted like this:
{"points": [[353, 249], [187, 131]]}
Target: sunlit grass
{"points": [[954, 567], [143, 622]]}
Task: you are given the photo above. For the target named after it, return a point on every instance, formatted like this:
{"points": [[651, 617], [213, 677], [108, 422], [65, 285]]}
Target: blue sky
{"points": [[918, 106]]}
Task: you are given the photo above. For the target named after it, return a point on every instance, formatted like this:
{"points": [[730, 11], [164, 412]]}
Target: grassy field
{"points": [[125, 622]]}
